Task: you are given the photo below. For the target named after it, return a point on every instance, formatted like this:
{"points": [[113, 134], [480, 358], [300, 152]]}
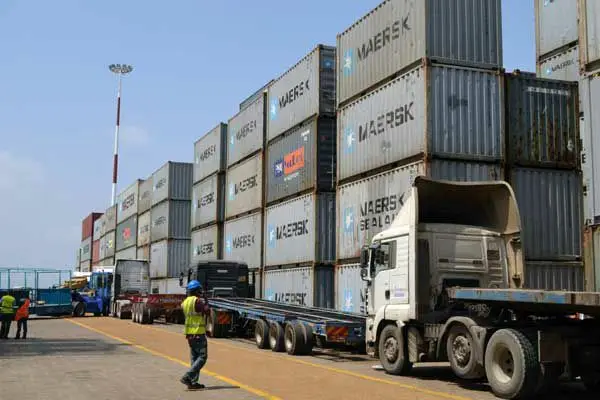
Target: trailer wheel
{"points": [[144, 315], [261, 334], [78, 309], [309, 340], [294, 338], [511, 364], [393, 352], [460, 347], [276, 337]]}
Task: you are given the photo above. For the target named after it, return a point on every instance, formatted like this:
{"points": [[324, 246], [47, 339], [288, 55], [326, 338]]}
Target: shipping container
{"points": [[302, 159], [172, 181], [84, 266], [301, 230], [243, 240], [127, 233], [86, 249], [109, 244], [311, 286], [555, 25], [210, 153], [95, 251], [208, 203], [305, 90], [145, 195], [551, 212], [97, 231], [77, 257], [127, 201], [255, 278], [436, 110], [244, 187], [589, 24], [563, 66], [207, 244], [108, 261], [110, 217], [87, 225], [246, 131], [170, 220], [591, 264], [254, 96], [129, 253], [169, 258], [589, 89], [542, 122], [368, 206], [143, 253], [166, 286], [554, 275], [350, 289], [399, 33]]}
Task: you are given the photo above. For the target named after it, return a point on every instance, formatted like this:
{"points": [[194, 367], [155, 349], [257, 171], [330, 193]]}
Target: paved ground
{"points": [[113, 359]]}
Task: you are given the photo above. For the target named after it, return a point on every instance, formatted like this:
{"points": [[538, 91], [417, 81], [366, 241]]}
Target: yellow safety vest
{"points": [[6, 307], [194, 321]]}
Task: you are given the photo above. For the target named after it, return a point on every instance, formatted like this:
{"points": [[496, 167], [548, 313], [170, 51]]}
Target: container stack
{"points": [[170, 220], [96, 240], [107, 236], [208, 191], [416, 95], [299, 218], [87, 236], [144, 220], [127, 225]]}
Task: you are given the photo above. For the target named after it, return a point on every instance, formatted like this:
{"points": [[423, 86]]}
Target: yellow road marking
{"points": [[222, 378]]}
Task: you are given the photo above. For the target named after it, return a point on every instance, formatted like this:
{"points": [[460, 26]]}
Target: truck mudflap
{"points": [[165, 301]]}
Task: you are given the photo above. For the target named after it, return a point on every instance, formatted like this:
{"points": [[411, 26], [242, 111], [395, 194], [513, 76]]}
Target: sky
{"points": [[194, 62]]}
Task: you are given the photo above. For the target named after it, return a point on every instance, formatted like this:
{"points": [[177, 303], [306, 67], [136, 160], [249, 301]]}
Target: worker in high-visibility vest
{"points": [[7, 313], [195, 310], [22, 316]]}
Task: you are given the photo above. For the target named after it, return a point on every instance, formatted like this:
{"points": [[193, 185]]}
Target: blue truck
{"points": [[96, 297]]}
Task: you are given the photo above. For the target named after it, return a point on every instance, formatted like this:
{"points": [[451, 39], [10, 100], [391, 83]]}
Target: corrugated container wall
{"points": [[398, 33], [111, 218], [97, 231], [306, 286], [350, 289], [87, 225], [542, 122], [129, 253], [302, 159], [170, 220], [145, 195], [438, 110], [243, 240], [210, 153], [109, 244], [301, 230], [85, 266], [244, 187], [589, 89], [563, 66], [143, 253], [208, 204], [246, 131], [207, 244], [254, 96], [555, 25], [550, 209], [108, 261], [166, 286], [95, 251], [172, 181], [127, 201], [143, 234], [86, 249], [305, 90], [589, 25], [554, 275], [127, 233], [169, 258]]}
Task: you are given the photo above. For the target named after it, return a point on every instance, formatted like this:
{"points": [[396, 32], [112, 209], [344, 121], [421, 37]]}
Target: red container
{"points": [[95, 251], [87, 225]]}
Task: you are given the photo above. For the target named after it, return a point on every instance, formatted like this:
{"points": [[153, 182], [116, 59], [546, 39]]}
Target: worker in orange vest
{"points": [[21, 316]]}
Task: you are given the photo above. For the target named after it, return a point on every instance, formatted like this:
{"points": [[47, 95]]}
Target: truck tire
{"points": [[393, 352], [144, 315], [134, 315], [261, 334], [309, 339], [294, 338], [511, 365], [212, 327], [460, 348], [78, 309], [276, 337]]}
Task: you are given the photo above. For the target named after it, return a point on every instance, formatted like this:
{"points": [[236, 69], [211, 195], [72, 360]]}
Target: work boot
{"points": [[186, 381], [196, 386]]}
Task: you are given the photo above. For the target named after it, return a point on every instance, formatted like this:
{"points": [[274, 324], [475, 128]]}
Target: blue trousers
{"points": [[199, 355]]}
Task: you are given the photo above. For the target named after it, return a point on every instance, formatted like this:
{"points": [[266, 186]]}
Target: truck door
{"points": [[380, 279]]}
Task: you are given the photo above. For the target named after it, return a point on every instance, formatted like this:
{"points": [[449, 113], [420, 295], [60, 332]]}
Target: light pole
{"points": [[120, 70]]}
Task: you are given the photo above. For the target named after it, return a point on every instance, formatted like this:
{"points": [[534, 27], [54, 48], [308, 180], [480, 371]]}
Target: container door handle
{"points": [[387, 294]]}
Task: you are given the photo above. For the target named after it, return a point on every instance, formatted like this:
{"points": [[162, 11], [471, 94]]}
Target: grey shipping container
{"points": [[311, 286], [143, 253], [563, 66], [252, 98], [207, 243], [101, 249], [98, 224], [243, 240], [133, 277], [555, 25], [305, 90], [111, 218], [542, 122], [108, 261], [86, 249], [246, 131], [244, 186], [550, 208], [350, 289], [145, 195], [84, 266], [447, 111], [589, 24], [301, 230], [589, 89], [127, 233], [208, 203], [129, 253], [302, 159], [399, 33], [127, 201], [210, 153], [554, 275], [143, 232], [368, 206], [169, 258], [172, 181], [170, 220], [110, 243]]}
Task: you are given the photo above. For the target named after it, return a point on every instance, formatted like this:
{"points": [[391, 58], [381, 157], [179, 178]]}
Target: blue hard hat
{"points": [[192, 285]]}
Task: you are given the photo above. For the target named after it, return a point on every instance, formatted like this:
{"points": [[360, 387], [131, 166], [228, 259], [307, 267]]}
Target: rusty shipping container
{"points": [[145, 195], [172, 181], [244, 187], [589, 25], [555, 275], [398, 33], [243, 240], [207, 243], [542, 122], [143, 253], [127, 201], [311, 286], [563, 66], [95, 251], [143, 233], [97, 230], [555, 25], [350, 289], [208, 203], [169, 258], [589, 89], [126, 234], [438, 110], [110, 217], [302, 159], [86, 249], [304, 91], [301, 230], [210, 153], [170, 220], [87, 225], [246, 131]]}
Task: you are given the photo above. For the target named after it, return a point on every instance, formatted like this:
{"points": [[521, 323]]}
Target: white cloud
{"points": [[134, 136], [16, 172]]}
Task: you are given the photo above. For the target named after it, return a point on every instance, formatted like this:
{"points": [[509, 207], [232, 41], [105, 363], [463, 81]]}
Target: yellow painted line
{"points": [[222, 378]]}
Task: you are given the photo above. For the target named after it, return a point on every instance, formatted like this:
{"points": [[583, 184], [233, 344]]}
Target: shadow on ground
{"points": [[12, 348]]}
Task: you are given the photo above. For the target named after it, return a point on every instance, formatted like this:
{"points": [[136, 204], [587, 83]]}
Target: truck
{"points": [[95, 297], [445, 282]]}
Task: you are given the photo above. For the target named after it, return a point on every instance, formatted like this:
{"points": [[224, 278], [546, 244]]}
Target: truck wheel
{"points": [[460, 348], [276, 337], [78, 309], [294, 338], [134, 318], [393, 352], [309, 339], [511, 364], [144, 315], [261, 334]]}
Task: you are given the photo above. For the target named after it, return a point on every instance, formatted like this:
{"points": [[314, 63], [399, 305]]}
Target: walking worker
{"points": [[21, 316], [7, 313], [195, 310]]}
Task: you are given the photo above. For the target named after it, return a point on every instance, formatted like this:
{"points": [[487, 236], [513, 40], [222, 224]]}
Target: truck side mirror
{"points": [[364, 257]]}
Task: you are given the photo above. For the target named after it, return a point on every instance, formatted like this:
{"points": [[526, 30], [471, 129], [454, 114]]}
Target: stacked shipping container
{"points": [[107, 236], [127, 222], [144, 219], [87, 254]]}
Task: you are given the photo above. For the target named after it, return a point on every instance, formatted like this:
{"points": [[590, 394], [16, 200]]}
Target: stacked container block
{"points": [[87, 255], [107, 236], [144, 219], [127, 222]]}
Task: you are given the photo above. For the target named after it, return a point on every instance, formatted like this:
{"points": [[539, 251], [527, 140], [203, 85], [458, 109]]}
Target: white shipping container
{"points": [[127, 201], [143, 253], [172, 181], [86, 249], [84, 266], [589, 26], [589, 90], [555, 25], [207, 201], [350, 289], [307, 286], [206, 244], [97, 234], [563, 66], [246, 131], [127, 254], [143, 234], [210, 153], [169, 258], [243, 240], [244, 187], [166, 286]]}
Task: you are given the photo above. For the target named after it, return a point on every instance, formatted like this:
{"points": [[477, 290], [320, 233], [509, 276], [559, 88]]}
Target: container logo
{"points": [[348, 62], [145, 195], [348, 220], [547, 2], [204, 249], [206, 154], [160, 220], [128, 202], [243, 132], [380, 213], [559, 67], [143, 229], [289, 165], [273, 109], [126, 234], [328, 63], [228, 244], [349, 140], [242, 186], [290, 96], [389, 120], [287, 231], [158, 185], [205, 200], [286, 297]]}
